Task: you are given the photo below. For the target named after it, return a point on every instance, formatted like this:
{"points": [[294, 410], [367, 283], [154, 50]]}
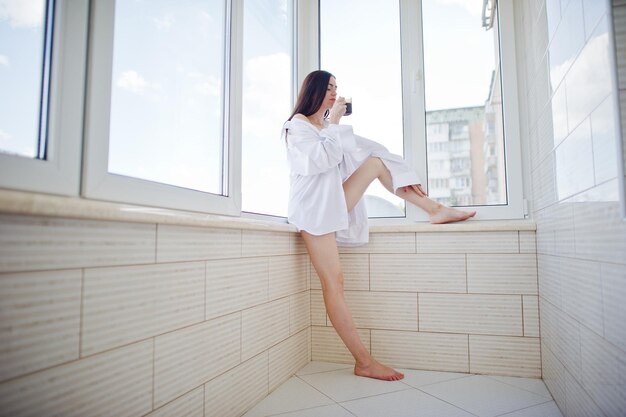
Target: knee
{"points": [[333, 285], [375, 162]]}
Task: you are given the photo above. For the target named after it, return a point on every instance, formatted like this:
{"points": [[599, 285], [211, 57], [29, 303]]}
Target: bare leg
{"points": [[373, 168], [325, 258]]}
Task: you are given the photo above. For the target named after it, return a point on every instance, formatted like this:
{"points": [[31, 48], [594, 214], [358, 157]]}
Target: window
{"points": [[160, 120], [42, 95], [25, 46], [445, 99], [267, 102], [366, 60], [463, 90]]}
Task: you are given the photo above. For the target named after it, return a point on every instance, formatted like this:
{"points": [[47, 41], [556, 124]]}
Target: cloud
{"points": [[4, 136], [473, 7], [22, 13], [4, 60], [135, 83], [209, 86], [163, 23]]}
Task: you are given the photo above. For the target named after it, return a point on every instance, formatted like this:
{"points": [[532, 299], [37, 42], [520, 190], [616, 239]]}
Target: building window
{"points": [[266, 104]]}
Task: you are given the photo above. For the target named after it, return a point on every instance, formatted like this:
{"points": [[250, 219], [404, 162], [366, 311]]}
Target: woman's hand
{"points": [[417, 188], [337, 111]]}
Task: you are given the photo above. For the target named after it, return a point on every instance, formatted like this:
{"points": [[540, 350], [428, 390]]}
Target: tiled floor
{"points": [[323, 389]]}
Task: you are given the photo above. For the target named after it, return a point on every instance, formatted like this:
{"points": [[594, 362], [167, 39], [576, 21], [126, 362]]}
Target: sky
{"points": [[167, 82]]}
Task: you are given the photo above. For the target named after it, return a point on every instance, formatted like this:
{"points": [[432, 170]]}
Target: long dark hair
{"points": [[312, 93]]}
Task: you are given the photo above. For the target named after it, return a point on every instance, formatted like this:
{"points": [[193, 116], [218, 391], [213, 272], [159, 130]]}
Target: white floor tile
{"points": [[533, 385], [407, 403], [416, 378], [483, 396], [343, 385], [291, 396], [316, 367], [324, 411], [548, 409]]}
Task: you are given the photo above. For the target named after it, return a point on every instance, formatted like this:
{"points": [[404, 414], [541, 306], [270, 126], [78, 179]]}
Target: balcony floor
{"points": [[323, 389]]}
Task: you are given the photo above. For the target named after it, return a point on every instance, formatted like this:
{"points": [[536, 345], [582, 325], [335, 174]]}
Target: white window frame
{"points": [[99, 184], [414, 114], [59, 173]]}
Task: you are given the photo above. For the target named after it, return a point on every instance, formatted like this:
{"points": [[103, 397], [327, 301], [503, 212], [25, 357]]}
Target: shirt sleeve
{"points": [[311, 152]]}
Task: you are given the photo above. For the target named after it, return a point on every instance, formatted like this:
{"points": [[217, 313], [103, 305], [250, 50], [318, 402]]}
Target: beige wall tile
{"points": [[356, 272], [186, 243], [600, 232], [40, 316], [502, 273], [553, 375], [561, 334], [234, 392], [471, 313], [288, 275], [38, 243], [549, 277], [530, 307], [327, 346], [468, 242], [296, 244], [385, 243], [318, 309], [603, 373], [190, 404], [189, 357], [287, 357], [614, 307], [424, 273], [419, 350], [236, 284], [264, 326], [257, 243], [577, 401], [126, 304], [581, 290], [115, 383], [503, 355], [383, 310], [299, 312]]}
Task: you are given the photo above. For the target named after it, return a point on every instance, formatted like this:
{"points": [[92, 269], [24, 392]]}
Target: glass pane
{"points": [[267, 81], [348, 38], [24, 75], [167, 93], [463, 105]]}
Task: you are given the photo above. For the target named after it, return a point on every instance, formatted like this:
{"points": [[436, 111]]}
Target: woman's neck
{"points": [[317, 119]]}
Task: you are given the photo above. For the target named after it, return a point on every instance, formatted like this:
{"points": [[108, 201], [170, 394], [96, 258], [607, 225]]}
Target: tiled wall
{"points": [[129, 319], [452, 301], [569, 124]]}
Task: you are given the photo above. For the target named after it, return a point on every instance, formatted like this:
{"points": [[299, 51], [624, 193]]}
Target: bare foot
{"points": [[448, 215], [378, 371]]}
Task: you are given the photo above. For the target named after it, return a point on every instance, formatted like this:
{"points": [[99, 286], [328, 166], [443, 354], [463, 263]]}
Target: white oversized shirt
{"points": [[320, 161]]}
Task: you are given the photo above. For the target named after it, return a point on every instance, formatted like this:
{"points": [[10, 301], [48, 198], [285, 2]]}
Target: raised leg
{"points": [[374, 168], [325, 258]]}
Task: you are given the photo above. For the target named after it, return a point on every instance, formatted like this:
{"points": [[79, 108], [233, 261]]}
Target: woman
{"points": [[331, 168]]}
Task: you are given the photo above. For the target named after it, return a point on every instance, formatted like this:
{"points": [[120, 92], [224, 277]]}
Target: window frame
{"points": [[59, 173], [413, 103], [99, 184]]}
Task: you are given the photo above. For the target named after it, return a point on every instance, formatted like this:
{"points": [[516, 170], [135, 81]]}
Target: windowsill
{"points": [[33, 204]]}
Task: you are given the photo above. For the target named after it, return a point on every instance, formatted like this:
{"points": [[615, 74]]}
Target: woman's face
{"points": [[331, 94]]}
